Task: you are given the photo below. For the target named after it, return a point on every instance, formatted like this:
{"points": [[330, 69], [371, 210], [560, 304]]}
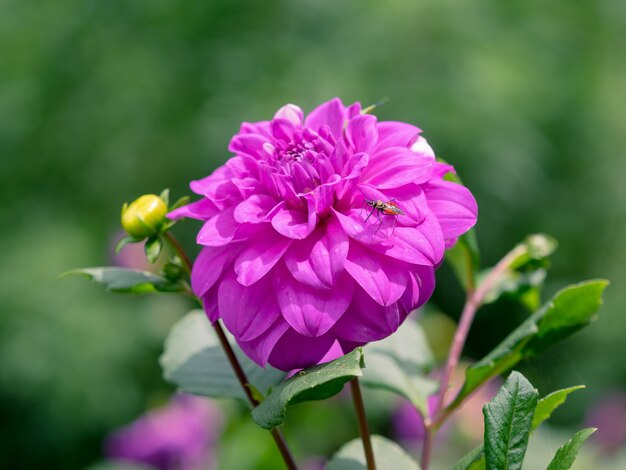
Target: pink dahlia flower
{"points": [[293, 262]]}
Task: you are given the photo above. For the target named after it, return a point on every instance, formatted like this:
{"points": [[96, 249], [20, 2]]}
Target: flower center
{"points": [[304, 146]]}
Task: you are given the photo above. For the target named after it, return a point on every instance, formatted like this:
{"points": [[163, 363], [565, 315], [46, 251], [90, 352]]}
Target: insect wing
{"points": [[392, 209]]}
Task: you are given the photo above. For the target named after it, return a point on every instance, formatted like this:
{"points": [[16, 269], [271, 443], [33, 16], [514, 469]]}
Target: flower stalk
{"points": [[243, 380], [474, 301], [234, 362], [359, 407]]}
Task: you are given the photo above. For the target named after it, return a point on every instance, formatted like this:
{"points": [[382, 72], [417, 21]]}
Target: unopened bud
{"points": [[144, 216]]}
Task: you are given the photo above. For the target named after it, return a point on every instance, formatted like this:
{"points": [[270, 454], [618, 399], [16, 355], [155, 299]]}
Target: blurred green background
{"points": [[101, 101]]}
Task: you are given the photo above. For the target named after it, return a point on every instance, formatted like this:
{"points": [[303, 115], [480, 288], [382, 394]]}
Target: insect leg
{"points": [[370, 214], [380, 220]]}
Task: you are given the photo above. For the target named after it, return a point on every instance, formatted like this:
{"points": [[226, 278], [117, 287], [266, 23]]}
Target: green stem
{"points": [[179, 250], [359, 407]]}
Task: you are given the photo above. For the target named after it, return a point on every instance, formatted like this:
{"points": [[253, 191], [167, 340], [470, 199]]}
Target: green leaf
{"points": [[126, 241], [551, 402], [153, 249], [569, 310], [165, 196], [565, 456], [387, 454], [473, 460], [316, 383], [399, 364], [524, 278], [464, 258], [195, 361], [508, 420], [124, 280]]}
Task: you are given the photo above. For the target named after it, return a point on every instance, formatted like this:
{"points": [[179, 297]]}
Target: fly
{"points": [[383, 208]]}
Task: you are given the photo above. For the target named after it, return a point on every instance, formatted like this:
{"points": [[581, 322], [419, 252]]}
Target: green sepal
{"points": [[126, 241], [165, 196], [179, 203], [153, 249]]}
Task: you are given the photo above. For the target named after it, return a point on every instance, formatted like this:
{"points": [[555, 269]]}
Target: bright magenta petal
{"points": [[247, 311], [382, 278], [310, 311]]}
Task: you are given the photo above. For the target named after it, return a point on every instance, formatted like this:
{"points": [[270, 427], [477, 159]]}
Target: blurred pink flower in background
{"points": [[179, 436], [609, 415], [292, 262], [132, 256]]}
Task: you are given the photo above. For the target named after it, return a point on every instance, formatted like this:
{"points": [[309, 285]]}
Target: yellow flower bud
{"points": [[144, 216]]}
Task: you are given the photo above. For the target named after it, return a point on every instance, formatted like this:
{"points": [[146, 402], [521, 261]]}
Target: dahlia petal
{"points": [[419, 289], [382, 278], [396, 166], [256, 209], [351, 171], [260, 348], [396, 134], [209, 265], [282, 129], [218, 186], [324, 168], [366, 232], [247, 311], [365, 320], [320, 200], [297, 259], [318, 260], [353, 110], [441, 169], [259, 258], [291, 113], [329, 253], [210, 305], [295, 351], [219, 176], [260, 127], [293, 223], [250, 145], [454, 206], [331, 113], [422, 245], [247, 186], [312, 312], [340, 156], [203, 209], [242, 165], [218, 230], [421, 146], [361, 133]]}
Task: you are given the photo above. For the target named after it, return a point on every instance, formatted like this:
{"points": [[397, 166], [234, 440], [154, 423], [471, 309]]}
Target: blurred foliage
{"points": [[101, 101]]}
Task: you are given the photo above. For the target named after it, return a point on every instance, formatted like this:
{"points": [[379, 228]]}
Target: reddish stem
{"points": [[359, 407], [473, 302]]}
